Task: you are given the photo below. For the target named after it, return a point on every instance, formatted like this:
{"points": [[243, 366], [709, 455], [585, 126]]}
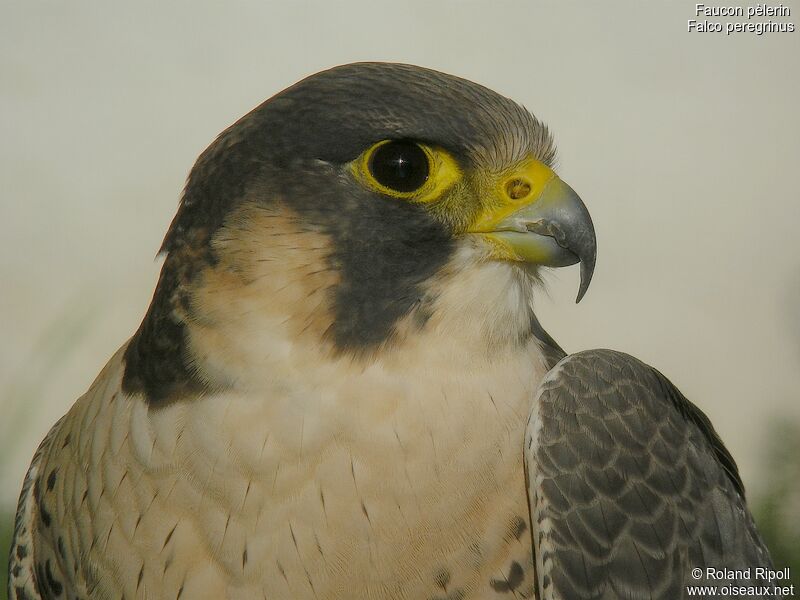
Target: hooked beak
{"points": [[541, 220]]}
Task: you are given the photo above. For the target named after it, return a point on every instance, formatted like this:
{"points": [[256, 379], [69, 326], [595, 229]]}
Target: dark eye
{"points": [[400, 166]]}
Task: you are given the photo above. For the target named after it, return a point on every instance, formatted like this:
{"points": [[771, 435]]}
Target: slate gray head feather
{"points": [[299, 148]]}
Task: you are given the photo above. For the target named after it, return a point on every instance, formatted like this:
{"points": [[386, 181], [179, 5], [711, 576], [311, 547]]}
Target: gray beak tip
{"points": [[584, 285], [587, 270]]}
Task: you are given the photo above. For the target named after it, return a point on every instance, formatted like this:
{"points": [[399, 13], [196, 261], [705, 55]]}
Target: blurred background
{"points": [[684, 146]]}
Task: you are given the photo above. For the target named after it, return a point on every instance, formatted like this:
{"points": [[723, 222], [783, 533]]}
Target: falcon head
{"points": [[357, 208]]}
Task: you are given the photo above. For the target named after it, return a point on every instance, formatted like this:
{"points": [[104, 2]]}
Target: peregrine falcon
{"points": [[341, 389]]}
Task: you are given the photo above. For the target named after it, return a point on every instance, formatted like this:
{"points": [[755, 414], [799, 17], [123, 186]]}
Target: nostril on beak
{"points": [[518, 188]]}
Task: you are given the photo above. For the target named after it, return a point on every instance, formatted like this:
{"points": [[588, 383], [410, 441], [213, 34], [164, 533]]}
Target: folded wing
{"points": [[630, 487]]}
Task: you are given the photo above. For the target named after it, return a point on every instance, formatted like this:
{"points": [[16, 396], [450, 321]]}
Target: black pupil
{"points": [[400, 166]]}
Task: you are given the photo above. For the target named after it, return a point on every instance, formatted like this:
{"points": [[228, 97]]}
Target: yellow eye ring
{"points": [[406, 169]]}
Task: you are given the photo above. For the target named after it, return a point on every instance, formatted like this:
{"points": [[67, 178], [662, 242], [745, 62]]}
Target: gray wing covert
{"points": [[630, 487]]}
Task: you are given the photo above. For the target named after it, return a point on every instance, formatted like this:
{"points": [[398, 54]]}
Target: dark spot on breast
{"points": [[21, 594], [16, 571], [515, 577], [61, 550], [169, 536], [442, 578], [46, 519], [67, 439], [22, 551], [364, 510], [518, 527], [319, 545], [54, 585], [51, 480], [244, 557]]}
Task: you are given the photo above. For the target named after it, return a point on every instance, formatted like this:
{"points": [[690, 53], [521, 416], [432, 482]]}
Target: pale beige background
{"points": [[684, 146]]}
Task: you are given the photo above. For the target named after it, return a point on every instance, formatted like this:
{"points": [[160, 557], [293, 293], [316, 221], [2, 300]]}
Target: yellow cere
{"points": [[444, 173], [513, 189]]}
